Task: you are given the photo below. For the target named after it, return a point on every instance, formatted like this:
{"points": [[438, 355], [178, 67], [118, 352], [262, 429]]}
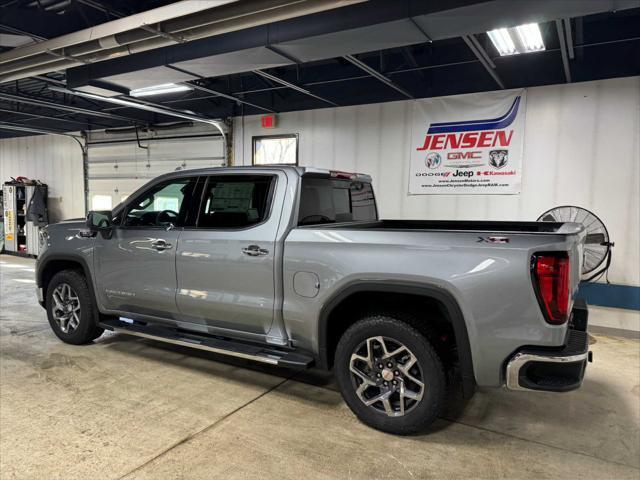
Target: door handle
{"points": [[254, 251], [161, 245]]}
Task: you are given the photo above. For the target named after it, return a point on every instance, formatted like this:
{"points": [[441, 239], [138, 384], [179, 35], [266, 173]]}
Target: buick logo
{"points": [[433, 160], [498, 158]]}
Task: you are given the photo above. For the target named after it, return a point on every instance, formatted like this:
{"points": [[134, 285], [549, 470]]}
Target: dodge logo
{"points": [[498, 158]]}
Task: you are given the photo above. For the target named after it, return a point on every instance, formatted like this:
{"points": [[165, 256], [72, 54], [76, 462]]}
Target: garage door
{"points": [[120, 162]]}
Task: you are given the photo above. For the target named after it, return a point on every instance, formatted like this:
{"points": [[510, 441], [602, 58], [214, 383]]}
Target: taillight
{"points": [[552, 282], [344, 175]]}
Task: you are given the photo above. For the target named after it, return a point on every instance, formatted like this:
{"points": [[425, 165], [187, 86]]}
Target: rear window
{"points": [[325, 200]]}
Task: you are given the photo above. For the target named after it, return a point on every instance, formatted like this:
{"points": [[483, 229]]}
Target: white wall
{"points": [[582, 147], [52, 159]]}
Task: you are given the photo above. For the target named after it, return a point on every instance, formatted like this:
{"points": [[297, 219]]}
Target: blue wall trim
{"points": [[610, 295]]}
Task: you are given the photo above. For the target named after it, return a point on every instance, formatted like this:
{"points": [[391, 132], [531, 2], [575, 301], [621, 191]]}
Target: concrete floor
{"points": [[131, 408]]}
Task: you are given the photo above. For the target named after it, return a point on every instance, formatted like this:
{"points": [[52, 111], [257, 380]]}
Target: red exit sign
{"points": [[268, 121]]}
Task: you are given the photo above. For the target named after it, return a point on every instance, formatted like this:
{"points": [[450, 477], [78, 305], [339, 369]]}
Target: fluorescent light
{"points": [[159, 89], [521, 39], [502, 41], [530, 37]]}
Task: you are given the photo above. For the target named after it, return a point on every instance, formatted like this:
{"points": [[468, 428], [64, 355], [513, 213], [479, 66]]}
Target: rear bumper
{"points": [[553, 370]]}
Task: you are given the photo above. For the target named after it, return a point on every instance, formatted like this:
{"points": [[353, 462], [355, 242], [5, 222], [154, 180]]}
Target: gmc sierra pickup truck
{"points": [[291, 266]]}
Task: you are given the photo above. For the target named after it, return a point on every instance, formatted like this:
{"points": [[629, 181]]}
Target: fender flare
{"points": [[42, 266], [439, 294]]}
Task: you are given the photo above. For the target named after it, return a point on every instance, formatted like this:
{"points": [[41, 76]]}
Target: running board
{"points": [[272, 356]]}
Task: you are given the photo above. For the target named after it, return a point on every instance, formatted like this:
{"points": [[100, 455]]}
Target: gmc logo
{"points": [[464, 155]]}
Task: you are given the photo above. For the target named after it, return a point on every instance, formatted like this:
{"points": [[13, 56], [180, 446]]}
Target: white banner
{"points": [[468, 144]]}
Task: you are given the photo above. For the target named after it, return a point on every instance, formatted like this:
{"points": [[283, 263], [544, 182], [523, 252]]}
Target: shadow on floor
{"points": [[526, 415]]}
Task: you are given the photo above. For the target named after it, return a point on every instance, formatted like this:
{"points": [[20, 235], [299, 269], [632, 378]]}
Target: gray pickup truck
{"points": [[291, 266]]}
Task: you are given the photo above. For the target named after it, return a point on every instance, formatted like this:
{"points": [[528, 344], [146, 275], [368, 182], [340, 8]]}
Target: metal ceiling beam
{"points": [[21, 128], [482, 55], [17, 31], [227, 96], [98, 6], [292, 86], [215, 92], [37, 116], [46, 79], [411, 60], [377, 75], [58, 106], [569, 35], [563, 51]]}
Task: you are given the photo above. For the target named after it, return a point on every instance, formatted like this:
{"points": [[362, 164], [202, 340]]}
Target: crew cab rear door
{"points": [[225, 264]]}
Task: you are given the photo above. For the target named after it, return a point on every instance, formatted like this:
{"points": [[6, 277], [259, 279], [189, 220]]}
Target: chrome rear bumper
{"points": [[553, 370]]}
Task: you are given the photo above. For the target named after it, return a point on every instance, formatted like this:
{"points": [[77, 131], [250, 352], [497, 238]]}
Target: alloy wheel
{"points": [[387, 376], [66, 308]]}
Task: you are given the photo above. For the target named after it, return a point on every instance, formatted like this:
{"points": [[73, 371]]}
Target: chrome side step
{"points": [[272, 356]]}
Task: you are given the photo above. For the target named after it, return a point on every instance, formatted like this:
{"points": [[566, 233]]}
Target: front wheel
{"points": [[390, 375], [70, 308]]}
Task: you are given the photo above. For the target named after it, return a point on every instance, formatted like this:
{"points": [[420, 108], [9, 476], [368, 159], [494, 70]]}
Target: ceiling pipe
{"points": [[156, 15], [155, 108], [233, 17]]}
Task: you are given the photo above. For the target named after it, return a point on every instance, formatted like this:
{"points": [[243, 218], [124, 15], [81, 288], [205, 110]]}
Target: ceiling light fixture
{"points": [[502, 41], [530, 37], [521, 39], [159, 89]]}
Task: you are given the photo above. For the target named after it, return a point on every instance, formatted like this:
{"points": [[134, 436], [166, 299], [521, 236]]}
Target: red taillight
{"points": [[552, 279], [345, 175]]}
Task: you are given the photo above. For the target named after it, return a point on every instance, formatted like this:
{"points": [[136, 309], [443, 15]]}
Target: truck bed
{"points": [[456, 225]]}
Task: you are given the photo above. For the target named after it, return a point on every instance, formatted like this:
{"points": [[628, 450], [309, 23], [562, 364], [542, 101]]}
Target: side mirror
{"points": [[99, 220]]}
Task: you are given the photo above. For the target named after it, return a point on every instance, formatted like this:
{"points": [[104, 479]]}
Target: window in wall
{"points": [[275, 150], [101, 202], [235, 202]]}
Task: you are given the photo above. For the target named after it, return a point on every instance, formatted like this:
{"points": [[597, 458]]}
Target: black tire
{"points": [[87, 329], [422, 413]]}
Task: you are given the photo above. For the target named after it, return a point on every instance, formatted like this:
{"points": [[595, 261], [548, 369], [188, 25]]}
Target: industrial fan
{"points": [[597, 248]]}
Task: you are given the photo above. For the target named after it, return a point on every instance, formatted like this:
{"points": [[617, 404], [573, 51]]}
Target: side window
{"points": [[161, 206], [235, 201], [324, 200]]}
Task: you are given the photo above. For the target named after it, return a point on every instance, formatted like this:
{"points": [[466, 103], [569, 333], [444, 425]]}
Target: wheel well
{"points": [[431, 313], [54, 266]]}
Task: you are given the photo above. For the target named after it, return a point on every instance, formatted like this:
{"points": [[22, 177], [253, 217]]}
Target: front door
{"points": [[225, 265], [135, 264]]}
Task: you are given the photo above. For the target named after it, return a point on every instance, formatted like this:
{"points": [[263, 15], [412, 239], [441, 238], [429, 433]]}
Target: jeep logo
{"points": [[462, 173]]}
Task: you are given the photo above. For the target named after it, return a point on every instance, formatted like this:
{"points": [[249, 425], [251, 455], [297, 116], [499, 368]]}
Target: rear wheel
{"points": [[390, 375], [70, 308]]}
